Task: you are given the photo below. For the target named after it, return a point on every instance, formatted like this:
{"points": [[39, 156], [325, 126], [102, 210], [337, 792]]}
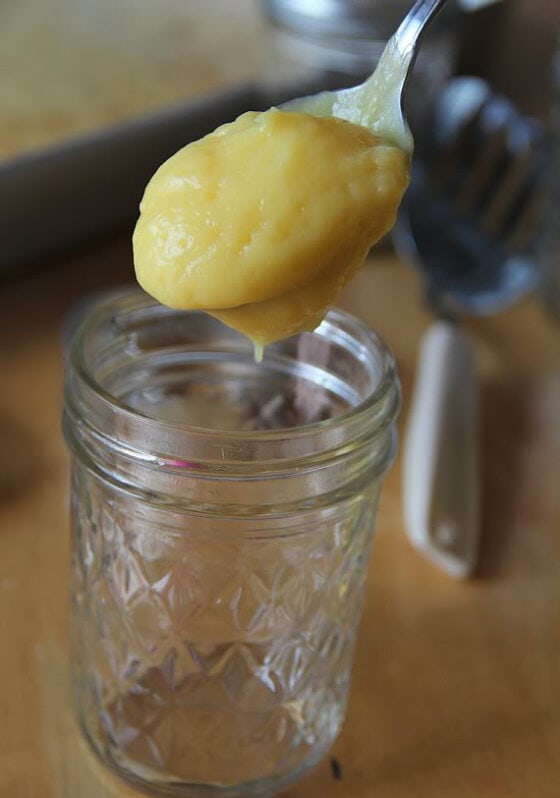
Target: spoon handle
{"points": [[408, 35], [377, 103], [381, 96], [440, 465]]}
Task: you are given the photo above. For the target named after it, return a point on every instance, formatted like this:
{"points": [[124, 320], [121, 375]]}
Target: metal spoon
{"points": [[377, 103]]}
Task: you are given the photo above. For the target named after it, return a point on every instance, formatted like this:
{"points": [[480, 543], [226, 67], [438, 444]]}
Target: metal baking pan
{"points": [[56, 198]]}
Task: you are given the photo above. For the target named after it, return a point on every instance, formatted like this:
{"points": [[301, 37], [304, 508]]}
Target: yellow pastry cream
{"points": [[262, 222]]}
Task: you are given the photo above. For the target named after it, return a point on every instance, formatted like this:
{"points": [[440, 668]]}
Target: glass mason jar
{"points": [[222, 523]]}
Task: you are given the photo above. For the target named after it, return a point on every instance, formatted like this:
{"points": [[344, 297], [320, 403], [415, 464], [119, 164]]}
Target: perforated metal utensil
{"points": [[468, 223]]}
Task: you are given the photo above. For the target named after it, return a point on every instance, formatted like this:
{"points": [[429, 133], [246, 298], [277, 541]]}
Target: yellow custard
{"points": [[262, 222]]}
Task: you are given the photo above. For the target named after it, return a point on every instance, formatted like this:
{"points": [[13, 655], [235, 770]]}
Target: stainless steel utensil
{"points": [[377, 103], [468, 223]]}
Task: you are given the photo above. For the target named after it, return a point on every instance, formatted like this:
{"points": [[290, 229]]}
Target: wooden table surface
{"points": [[456, 686]]}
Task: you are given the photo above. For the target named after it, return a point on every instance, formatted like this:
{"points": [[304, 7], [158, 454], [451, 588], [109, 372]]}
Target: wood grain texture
{"points": [[456, 686]]}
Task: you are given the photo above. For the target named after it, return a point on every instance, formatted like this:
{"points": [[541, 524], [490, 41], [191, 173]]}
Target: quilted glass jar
{"points": [[222, 523]]}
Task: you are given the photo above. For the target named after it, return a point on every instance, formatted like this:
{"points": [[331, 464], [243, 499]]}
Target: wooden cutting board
{"points": [[455, 686]]}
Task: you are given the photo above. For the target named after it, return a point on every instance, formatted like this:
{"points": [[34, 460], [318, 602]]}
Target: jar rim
{"points": [[126, 445], [336, 321]]}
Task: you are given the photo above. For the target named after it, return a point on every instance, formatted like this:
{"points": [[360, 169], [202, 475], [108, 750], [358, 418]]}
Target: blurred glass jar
{"points": [[337, 43], [222, 524], [549, 250]]}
